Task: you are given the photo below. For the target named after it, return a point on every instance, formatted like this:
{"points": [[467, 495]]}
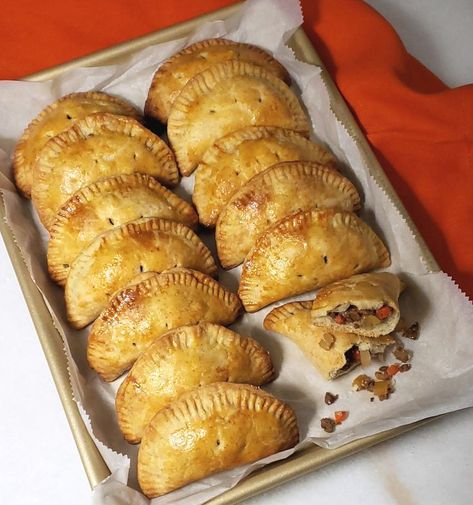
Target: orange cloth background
{"points": [[421, 131]]}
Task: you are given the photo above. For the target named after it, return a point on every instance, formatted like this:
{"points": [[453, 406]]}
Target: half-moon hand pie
{"points": [[104, 205]]}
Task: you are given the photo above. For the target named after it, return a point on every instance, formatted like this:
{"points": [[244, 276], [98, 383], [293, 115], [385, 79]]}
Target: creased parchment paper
{"points": [[441, 379]]}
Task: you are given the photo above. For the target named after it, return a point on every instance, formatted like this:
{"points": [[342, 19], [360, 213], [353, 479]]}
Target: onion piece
{"points": [[365, 358]]}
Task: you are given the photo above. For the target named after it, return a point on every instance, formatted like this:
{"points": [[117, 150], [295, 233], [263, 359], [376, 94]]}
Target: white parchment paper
{"points": [[441, 379]]}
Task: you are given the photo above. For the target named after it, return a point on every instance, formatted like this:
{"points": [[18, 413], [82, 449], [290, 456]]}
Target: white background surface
{"points": [[433, 465]]}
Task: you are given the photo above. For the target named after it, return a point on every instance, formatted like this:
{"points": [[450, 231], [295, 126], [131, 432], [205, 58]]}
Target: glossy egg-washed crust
{"points": [[54, 119], [235, 158], [104, 205], [307, 250], [175, 72], [116, 256], [183, 359], [273, 194], [365, 291], [224, 98], [144, 311], [294, 320], [98, 146], [210, 429]]}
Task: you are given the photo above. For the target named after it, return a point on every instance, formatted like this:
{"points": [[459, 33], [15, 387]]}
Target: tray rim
{"points": [[271, 475]]}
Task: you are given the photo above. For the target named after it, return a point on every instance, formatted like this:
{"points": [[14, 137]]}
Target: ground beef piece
{"points": [[330, 398], [412, 332], [327, 424], [405, 367]]}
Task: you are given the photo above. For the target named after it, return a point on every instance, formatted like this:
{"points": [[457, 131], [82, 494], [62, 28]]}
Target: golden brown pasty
{"points": [[183, 359], [367, 304], [210, 429], [98, 146], [332, 352], [54, 119], [174, 73], [116, 256], [144, 311], [307, 250], [106, 204], [224, 98], [273, 194], [234, 159]]}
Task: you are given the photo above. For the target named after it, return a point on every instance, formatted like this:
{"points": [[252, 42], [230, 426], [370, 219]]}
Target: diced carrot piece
{"points": [[340, 416], [393, 369], [383, 312], [339, 319]]}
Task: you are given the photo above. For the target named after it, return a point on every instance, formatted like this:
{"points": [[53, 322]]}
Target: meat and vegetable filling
{"points": [[361, 318]]}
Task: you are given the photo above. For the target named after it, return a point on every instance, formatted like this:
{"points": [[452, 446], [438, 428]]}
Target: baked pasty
{"points": [[139, 314], [54, 119], [234, 159], [174, 73], [183, 359], [118, 255], [367, 304], [103, 205], [273, 194], [98, 146], [210, 429], [223, 99], [307, 250], [332, 352]]}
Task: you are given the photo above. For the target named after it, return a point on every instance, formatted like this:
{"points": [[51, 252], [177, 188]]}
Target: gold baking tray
{"points": [[272, 475]]}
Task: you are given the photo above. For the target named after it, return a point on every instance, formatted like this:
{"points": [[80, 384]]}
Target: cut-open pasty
{"points": [[116, 256], [145, 310], [224, 98], [98, 146], [54, 119], [210, 429], [273, 194], [332, 352], [106, 204], [367, 304], [174, 73], [183, 359], [234, 159], [307, 250]]}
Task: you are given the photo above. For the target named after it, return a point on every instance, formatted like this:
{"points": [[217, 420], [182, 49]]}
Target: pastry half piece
{"points": [[332, 352], [54, 119], [104, 205], [367, 304], [234, 159], [273, 194], [184, 359], [139, 314], [174, 73], [98, 146], [116, 256], [307, 250], [224, 98], [211, 429]]}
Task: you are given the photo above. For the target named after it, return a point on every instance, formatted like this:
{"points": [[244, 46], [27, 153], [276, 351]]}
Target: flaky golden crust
{"points": [[323, 347], [183, 359], [104, 205], [224, 98], [235, 158], [366, 292], [98, 146], [116, 256], [54, 119], [273, 194], [307, 250], [142, 312], [210, 429], [175, 72]]}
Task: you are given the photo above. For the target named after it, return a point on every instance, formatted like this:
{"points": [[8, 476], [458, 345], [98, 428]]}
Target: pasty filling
{"points": [[360, 318]]}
